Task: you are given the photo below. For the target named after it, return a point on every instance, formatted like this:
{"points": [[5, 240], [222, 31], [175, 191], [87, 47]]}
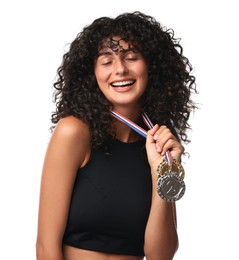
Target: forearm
{"points": [[48, 252], [161, 240]]}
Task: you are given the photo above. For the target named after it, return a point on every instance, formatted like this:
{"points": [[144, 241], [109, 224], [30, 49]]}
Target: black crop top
{"points": [[111, 201]]}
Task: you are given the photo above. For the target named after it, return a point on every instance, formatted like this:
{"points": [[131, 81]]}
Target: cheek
{"points": [[144, 76], [101, 81], [101, 76], [102, 85], [102, 88], [143, 71], [97, 74]]}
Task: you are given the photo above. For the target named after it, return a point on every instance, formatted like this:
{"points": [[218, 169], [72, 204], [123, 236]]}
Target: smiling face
{"points": [[121, 73]]}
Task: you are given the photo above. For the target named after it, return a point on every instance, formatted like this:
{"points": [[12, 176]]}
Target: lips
{"points": [[122, 84]]}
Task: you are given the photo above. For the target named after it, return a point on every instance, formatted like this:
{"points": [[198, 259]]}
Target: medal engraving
{"points": [[170, 187]]}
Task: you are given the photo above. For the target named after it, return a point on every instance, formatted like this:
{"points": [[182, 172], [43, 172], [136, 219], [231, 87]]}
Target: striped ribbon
{"points": [[140, 130]]}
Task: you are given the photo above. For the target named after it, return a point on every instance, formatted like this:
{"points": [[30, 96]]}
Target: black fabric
{"points": [[111, 201]]}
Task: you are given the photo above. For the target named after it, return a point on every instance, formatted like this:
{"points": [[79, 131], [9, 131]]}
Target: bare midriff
{"points": [[72, 253]]}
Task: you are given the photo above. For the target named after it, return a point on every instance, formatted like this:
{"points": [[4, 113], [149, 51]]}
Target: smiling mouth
{"points": [[122, 84]]}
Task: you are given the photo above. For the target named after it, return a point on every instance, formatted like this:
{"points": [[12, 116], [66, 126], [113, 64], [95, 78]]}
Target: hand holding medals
{"points": [[170, 185]]}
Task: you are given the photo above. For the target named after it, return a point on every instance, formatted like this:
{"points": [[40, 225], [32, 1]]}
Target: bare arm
{"points": [[68, 150], [161, 240]]}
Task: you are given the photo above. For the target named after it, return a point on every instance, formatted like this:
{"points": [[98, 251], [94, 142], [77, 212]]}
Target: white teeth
{"points": [[122, 83]]}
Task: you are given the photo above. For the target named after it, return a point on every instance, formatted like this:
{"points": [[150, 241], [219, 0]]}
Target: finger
{"points": [[162, 136], [168, 145], [162, 129], [152, 131], [159, 132], [176, 149], [150, 135]]}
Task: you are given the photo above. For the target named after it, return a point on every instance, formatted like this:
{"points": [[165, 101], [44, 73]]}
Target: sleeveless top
{"points": [[111, 201]]}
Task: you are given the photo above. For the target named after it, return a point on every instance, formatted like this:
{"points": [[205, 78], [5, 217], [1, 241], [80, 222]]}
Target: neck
{"points": [[132, 113], [123, 132]]}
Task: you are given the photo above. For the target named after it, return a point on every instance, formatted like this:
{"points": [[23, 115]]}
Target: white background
{"points": [[33, 38]]}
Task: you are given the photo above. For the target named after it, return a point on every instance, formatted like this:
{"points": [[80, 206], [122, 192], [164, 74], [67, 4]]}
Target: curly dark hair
{"points": [[167, 99]]}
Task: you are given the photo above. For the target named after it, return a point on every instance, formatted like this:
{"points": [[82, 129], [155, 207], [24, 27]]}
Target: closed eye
{"points": [[106, 62], [132, 56], [131, 59]]}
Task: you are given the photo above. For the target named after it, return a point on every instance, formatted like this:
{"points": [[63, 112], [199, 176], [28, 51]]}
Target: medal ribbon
{"points": [[140, 130]]}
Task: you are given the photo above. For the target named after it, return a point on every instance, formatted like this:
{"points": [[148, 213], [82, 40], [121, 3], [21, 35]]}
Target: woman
{"points": [[99, 196]]}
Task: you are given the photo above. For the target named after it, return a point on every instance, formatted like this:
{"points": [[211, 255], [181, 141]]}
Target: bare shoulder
{"points": [[72, 127], [72, 136]]}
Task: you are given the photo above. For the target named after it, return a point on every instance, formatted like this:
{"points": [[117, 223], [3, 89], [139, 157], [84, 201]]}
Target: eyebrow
{"points": [[105, 53], [108, 53]]}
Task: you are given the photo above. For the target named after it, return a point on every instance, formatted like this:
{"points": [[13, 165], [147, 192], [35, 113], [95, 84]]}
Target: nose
{"points": [[120, 67]]}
